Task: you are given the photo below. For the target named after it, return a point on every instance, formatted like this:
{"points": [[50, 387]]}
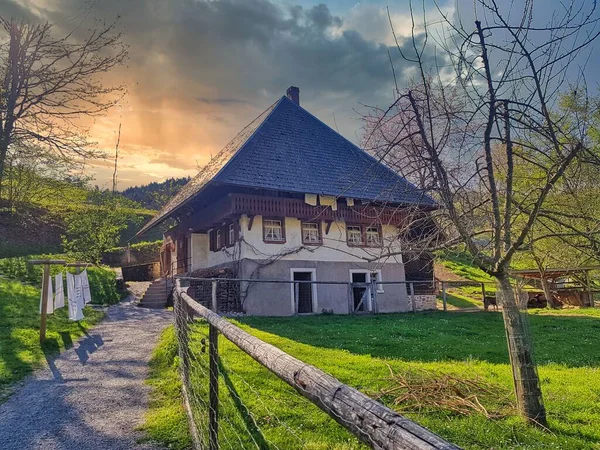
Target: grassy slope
{"points": [[464, 296], [37, 227], [20, 351], [361, 350]]}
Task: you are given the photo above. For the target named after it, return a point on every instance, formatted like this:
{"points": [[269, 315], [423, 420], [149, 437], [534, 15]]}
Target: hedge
{"points": [[103, 284], [142, 253]]}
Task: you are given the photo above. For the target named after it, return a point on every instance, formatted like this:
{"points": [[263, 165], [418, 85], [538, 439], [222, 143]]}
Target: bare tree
{"points": [[49, 83], [486, 104]]}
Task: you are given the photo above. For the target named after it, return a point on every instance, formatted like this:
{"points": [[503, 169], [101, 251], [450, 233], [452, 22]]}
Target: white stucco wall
{"points": [[334, 247], [199, 251]]}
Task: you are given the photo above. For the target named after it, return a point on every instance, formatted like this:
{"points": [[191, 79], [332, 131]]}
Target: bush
{"points": [[103, 284], [141, 253]]}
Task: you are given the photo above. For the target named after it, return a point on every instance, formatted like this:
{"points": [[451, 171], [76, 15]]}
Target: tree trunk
{"points": [[3, 153], [548, 293], [520, 349]]}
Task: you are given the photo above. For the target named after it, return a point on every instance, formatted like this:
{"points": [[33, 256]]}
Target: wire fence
{"points": [[241, 392]]}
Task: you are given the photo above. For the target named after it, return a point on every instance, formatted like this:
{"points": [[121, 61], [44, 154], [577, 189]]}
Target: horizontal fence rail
{"points": [[370, 421]]}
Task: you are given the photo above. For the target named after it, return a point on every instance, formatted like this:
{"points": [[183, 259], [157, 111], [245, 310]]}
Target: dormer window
{"points": [[218, 239], [273, 231]]}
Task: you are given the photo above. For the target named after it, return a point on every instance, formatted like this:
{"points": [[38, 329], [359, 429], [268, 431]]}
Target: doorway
{"points": [[361, 291], [303, 294]]}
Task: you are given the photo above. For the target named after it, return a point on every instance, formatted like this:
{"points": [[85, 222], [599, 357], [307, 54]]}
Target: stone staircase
{"points": [[157, 293]]}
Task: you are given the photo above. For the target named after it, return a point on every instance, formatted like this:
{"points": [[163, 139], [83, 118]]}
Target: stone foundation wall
{"points": [[425, 302]]}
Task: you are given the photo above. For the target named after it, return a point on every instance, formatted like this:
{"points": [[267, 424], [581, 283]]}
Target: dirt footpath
{"points": [[92, 396]]}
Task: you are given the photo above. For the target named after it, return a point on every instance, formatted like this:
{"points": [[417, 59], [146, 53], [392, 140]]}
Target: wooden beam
{"points": [[45, 280], [369, 420]]}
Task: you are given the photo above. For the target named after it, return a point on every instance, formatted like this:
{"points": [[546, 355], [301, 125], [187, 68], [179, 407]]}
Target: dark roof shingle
{"points": [[288, 149]]}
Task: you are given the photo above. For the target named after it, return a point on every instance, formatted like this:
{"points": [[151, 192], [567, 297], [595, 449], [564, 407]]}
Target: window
{"points": [[311, 233], [273, 230], [376, 275], [354, 235], [231, 236], [218, 239], [373, 237]]}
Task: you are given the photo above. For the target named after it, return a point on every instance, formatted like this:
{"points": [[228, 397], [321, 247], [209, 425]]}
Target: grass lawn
{"points": [[20, 350], [361, 351]]}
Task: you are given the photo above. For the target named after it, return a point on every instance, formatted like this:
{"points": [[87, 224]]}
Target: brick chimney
{"points": [[293, 93]]}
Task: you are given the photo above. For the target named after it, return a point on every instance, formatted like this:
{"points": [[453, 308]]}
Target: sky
{"points": [[200, 70]]}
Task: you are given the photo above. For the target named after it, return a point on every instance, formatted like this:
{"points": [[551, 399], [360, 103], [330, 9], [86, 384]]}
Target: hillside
{"points": [[36, 226], [154, 195]]}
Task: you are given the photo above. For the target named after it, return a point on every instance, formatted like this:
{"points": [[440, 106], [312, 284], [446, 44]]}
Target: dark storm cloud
{"points": [[200, 70], [239, 46]]}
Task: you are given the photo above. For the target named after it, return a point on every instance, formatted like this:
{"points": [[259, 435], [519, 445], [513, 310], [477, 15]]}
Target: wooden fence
{"points": [[373, 423]]}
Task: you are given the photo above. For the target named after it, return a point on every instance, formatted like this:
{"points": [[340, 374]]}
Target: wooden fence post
{"points": [[412, 297], [213, 343], [45, 280], [589, 288], [444, 299], [483, 293], [350, 299], [374, 307], [296, 297]]}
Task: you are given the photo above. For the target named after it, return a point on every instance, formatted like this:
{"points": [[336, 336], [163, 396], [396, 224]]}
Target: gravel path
{"points": [[93, 396]]}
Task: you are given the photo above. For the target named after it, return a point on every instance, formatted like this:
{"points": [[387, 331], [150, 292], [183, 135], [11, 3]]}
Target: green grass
{"points": [[461, 265], [20, 350], [360, 351], [458, 301], [166, 421]]}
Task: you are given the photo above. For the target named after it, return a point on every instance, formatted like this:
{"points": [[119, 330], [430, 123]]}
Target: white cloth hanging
{"points": [[49, 297], [85, 283], [73, 298], [79, 296], [59, 294], [310, 199], [328, 200]]}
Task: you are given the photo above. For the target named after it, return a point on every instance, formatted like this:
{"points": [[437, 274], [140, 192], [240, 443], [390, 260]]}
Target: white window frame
{"points": [[316, 228], [360, 242], [378, 280], [368, 280], [231, 236], [218, 245], [265, 227], [378, 234], [313, 277]]}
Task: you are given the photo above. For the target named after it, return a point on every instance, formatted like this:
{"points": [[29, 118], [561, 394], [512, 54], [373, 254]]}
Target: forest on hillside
{"points": [[154, 195]]}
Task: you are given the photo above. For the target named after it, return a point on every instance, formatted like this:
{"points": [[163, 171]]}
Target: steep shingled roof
{"points": [[288, 149]]}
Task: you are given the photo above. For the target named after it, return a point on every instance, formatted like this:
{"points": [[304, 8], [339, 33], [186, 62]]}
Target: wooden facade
{"points": [[233, 205]]}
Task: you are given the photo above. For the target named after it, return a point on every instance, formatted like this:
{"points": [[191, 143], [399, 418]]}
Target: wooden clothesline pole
{"points": [[46, 263]]}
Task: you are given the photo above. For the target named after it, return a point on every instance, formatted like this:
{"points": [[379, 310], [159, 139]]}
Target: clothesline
{"points": [[78, 294], [45, 305]]}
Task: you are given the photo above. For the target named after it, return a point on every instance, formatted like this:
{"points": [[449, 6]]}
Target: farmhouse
{"points": [[291, 199]]}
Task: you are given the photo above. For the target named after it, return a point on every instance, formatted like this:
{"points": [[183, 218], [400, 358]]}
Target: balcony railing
{"points": [[233, 205]]}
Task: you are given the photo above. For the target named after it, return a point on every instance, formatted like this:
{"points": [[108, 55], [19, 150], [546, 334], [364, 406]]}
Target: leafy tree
{"points": [[92, 230]]}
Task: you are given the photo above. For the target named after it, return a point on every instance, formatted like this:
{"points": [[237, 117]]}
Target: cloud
{"points": [[200, 70], [222, 101]]}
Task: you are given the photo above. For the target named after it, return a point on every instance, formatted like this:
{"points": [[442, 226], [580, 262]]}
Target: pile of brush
{"points": [[423, 391]]}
